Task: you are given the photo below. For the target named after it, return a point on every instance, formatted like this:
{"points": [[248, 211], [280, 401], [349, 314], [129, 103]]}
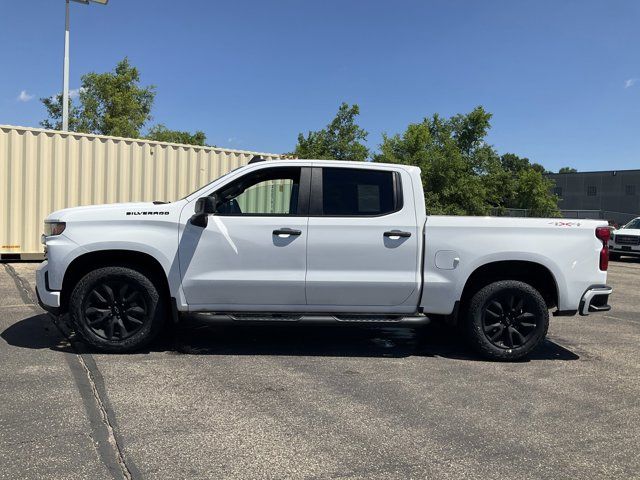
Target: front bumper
{"points": [[630, 250], [48, 300], [595, 299]]}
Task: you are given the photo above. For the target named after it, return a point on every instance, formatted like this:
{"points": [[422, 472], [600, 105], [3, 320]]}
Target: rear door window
{"points": [[358, 192]]}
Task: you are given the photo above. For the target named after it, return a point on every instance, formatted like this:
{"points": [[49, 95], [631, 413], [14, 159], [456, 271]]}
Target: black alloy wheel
{"points": [[116, 309], [508, 319]]}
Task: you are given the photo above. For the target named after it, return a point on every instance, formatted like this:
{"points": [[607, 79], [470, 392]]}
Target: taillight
{"points": [[604, 234]]}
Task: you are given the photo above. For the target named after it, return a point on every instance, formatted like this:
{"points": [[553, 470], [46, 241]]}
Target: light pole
{"points": [[65, 67]]}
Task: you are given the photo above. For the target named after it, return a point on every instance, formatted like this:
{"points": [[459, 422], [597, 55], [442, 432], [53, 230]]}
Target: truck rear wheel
{"points": [[116, 309], [506, 320]]}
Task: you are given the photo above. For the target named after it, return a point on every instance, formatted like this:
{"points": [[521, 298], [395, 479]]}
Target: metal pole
{"points": [[65, 73]]}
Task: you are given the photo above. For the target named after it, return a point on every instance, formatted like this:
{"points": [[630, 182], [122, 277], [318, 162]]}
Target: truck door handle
{"points": [[286, 231], [397, 233]]}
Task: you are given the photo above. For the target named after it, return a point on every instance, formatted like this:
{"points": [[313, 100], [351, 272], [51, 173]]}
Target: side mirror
{"points": [[204, 207]]}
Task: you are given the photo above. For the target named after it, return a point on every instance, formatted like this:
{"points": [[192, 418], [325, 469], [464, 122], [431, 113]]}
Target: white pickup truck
{"points": [[626, 240], [317, 241]]}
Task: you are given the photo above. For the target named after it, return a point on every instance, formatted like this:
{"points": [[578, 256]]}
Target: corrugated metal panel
{"points": [[268, 197], [43, 170]]}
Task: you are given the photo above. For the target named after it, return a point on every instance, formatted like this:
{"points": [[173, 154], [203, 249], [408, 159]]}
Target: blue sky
{"points": [[562, 78]]}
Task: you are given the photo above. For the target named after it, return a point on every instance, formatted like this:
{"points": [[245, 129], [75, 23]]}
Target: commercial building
{"points": [[612, 195]]}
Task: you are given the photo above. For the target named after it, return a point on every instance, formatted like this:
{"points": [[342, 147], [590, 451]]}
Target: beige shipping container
{"points": [[45, 170]]}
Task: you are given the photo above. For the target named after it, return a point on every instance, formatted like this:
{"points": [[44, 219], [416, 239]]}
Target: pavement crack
{"points": [[27, 294], [91, 388], [90, 385], [117, 450]]}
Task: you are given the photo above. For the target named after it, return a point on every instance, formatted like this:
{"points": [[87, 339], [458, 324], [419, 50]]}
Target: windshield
{"points": [[635, 223], [221, 176]]}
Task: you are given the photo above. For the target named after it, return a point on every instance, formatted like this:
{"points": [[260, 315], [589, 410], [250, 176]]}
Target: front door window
{"points": [[271, 191]]}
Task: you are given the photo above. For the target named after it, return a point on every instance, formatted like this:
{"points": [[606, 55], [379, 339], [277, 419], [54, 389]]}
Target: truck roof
{"points": [[340, 163], [414, 171]]}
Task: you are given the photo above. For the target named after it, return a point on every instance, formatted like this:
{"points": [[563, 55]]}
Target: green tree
{"points": [[513, 163], [160, 133], [567, 170], [451, 154], [532, 192], [111, 103], [461, 173], [526, 187], [539, 168], [54, 110], [342, 139]]}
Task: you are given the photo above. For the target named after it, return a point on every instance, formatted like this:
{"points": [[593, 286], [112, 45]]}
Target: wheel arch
{"points": [[140, 261], [530, 272]]}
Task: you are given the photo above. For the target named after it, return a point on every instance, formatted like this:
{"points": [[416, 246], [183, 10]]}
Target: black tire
{"points": [[506, 320], [614, 256], [117, 309]]}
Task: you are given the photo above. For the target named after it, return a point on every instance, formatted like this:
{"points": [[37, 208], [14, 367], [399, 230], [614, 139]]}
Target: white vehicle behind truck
{"points": [[626, 240], [318, 241]]}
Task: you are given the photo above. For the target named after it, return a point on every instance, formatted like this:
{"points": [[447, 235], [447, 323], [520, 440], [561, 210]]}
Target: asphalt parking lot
{"points": [[321, 402]]}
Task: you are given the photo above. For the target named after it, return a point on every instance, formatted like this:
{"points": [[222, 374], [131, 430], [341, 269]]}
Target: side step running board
{"points": [[312, 318]]}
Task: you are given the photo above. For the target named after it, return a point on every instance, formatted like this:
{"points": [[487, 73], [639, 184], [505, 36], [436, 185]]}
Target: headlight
{"points": [[53, 228]]}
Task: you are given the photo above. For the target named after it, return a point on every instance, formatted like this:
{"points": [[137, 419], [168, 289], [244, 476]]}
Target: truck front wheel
{"points": [[506, 320], [116, 309]]}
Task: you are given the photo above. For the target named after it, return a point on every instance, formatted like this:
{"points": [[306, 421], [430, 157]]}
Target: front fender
{"points": [[169, 264]]}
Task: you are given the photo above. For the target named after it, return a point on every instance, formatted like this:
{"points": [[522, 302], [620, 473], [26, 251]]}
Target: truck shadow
{"points": [[194, 337], [433, 340]]}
